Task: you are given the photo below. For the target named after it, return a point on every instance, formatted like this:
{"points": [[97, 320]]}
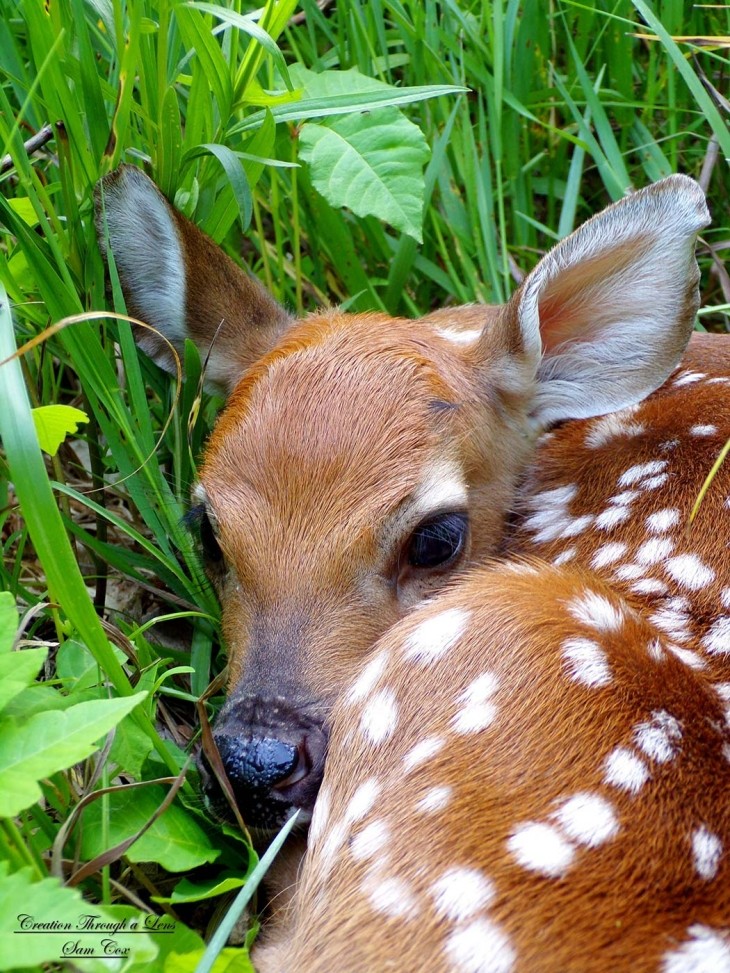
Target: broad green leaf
{"points": [[175, 840], [23, 900], [187, 891], [372, 164], [31, 750], [18, 670], [54, 422]]}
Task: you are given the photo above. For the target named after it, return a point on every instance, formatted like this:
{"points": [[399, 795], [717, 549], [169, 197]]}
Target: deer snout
{"points": [[271, 769]]}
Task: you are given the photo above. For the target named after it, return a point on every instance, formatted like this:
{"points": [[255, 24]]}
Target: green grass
{"points": [[565, 110]]}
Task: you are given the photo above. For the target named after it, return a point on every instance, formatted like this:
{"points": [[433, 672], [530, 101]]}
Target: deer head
{"points": [[363, 462]]}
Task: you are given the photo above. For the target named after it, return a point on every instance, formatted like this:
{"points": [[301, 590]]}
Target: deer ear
{"points": [[606, 315], [176, 279]]}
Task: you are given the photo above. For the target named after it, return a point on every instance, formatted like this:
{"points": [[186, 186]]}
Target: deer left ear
{"points": [[176, 279], [606, 315]]}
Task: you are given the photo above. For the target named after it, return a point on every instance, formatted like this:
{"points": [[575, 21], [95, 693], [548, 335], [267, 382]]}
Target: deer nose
{"points": [[258, 764]]}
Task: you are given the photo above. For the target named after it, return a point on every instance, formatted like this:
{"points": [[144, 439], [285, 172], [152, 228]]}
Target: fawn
{"points": [[518, 719]]}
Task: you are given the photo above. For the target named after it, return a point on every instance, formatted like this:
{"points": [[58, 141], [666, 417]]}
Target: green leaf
{"points": [[187, 891], [175, 840], [48, 900], [8, 621], [372, 164], [30, 750], [54, 422]]}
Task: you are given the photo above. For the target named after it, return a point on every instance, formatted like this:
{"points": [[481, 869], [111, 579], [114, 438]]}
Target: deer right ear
{"points": [[176, 279]]}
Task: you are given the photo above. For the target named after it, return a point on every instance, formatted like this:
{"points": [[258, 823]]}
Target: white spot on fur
{"points": [[708, 951], [706, 852], [320, 815], [655, 481], [541, 848], [461, 892], [588, 819], [649, 586], [703, 430], [367, 678], [362, 800], [460, 337], [655, 650], [577, 526], [391, 896], [479, 711], [615, 424], [659, 738], [567, 555], [686, 378], [550, 517], [628, 572], [435, 799], [688, 657], [668, 446], [624, 498], [596, 611], [587, 662], [717, 639], [380, 716], [608, 554], [663, 520], [642, 470], [612, 517], [690, 572], [422, 752], [625, 770], [480, 947], [654, 550], [436, 635], [370, 841]]}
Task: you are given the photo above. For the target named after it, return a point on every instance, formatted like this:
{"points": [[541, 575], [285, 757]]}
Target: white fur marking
{"points": [[690, 572], [625, 770], [597, 612], [434, 800], [608, 554], [392, 897], [654, 550], [479, 710], [436, 635], [367, 678], [588, 819], [703, 430], [662, 520], [706, 852], [422, 752], [717, 639], [362, 800], [541, 848], [461, 892], [587, 662], [641, 471], [612, 517], [708, 951], [368, 842], [380, 716], [480, 947], [659, 738]]}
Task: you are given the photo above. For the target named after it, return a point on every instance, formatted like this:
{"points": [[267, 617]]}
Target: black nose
{"points": [[271, 776], [257, 764]]}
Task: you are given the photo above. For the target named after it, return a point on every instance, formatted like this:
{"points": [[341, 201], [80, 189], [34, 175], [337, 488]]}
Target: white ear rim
{"points": [[581, 379], [147, 251]]}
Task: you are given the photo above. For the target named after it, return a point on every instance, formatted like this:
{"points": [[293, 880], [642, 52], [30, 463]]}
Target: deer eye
{"points": [[438, 541], [198, 518]]}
